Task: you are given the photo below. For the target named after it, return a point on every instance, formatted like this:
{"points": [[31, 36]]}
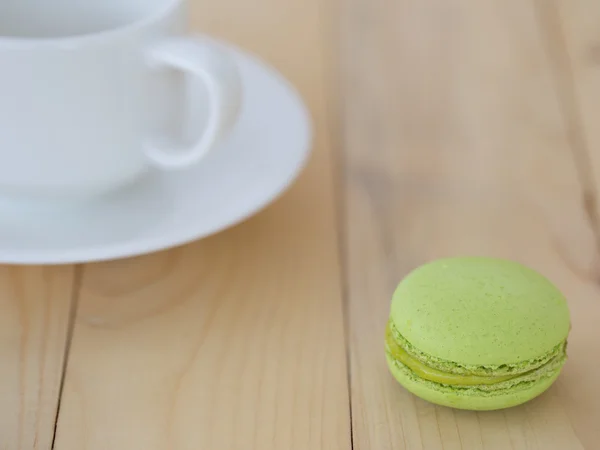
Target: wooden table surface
{"points": [[443, 128]]}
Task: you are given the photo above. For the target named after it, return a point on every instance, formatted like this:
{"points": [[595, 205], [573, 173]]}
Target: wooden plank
{"points": [[234, 342], [573, 43], [456, 144], [34, 321]]}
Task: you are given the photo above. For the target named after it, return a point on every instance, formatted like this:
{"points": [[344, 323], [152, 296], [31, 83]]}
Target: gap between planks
{"points": [[76, 289]]}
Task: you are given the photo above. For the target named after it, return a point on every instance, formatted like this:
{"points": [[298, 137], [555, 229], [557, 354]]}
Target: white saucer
{"points": [[265, 153]]}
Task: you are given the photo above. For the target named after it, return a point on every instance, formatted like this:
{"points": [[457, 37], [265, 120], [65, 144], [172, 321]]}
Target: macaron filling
{"points": [[423, 371]]}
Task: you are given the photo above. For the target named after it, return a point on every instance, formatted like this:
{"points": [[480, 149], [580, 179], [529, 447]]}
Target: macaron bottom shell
{"points": [[469, 399]]}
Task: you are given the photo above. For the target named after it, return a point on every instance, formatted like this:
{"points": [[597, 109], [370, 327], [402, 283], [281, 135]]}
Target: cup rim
{"points": [[95, 36]]}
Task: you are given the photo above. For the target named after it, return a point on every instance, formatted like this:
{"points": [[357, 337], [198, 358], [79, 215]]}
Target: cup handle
{"points": [[215, 69]]}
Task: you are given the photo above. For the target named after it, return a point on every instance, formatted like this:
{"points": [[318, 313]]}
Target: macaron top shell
{"points": [[476, 311]]}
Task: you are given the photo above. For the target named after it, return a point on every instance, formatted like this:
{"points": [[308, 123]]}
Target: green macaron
{"points": [[476, 333]]}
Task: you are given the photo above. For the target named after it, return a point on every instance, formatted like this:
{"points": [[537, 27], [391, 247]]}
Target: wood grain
{"points": [[573, 42], [457, 144], [35, 304], [234, 342]]}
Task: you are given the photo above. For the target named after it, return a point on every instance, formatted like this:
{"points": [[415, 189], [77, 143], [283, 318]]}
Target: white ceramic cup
{"points": [[92, 92]]}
